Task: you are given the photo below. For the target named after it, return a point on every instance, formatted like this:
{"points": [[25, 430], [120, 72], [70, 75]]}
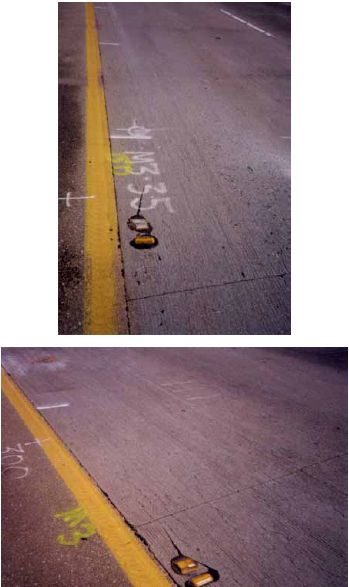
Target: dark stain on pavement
{"points": [[68, 268], [71, 156], [45, 359], [69, 132]]}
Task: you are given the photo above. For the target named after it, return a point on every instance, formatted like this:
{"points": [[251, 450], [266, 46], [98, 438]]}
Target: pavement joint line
{"points": [[169, 293], [102, 261], [138, 565], [239, 490]]}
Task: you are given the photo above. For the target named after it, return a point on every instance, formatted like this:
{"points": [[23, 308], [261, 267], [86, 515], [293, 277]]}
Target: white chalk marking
{"points": [[69, 197], [159, 189], [26, 471], [141, 156], [249, 24], [154, 202], [37, 441], [287, 138], [203, 396], [152, 168], [20, 457], [9, 448], [52, 406], [116, 44], [134, 132], [173, 383]]}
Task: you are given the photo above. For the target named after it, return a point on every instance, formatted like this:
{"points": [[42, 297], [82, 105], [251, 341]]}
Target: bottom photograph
{"points": [[152, 467]]}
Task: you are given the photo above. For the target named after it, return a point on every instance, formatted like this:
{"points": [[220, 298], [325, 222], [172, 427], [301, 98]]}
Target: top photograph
{"points": [[174, 203]]}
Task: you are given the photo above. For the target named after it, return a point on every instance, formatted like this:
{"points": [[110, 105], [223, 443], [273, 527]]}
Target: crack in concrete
{"points": [[242, 489], [190, 289]]}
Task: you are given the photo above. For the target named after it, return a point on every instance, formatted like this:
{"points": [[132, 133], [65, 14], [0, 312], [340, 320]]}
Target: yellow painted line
{"points": [[101, 227], [137, 564]]}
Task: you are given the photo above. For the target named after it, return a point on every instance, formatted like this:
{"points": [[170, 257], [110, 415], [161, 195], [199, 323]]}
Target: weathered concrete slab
{"points": [[239, 453], [279, 533], [214, 98], [241, 307]]}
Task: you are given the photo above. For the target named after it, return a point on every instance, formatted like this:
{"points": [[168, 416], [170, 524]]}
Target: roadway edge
{"points": [[104, 289], [134, 559]]}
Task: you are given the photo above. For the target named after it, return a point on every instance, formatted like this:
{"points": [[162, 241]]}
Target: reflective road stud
{"points": [[139, 223], [184, 565], [203, 579], [144, 241]]}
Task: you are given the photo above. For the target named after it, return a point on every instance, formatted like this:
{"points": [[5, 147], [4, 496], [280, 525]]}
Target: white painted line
{"points": [[68, 197], [249, 24], [174, 383], [236, 17], [116, 44], [52, 406], [80, 197], [130, 137], [203, 396], [256, 28], [135, 132], [37, 441]]}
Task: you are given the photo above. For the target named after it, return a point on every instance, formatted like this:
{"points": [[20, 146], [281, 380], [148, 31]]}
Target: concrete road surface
{"points": [[198, 104], [238, 456]]}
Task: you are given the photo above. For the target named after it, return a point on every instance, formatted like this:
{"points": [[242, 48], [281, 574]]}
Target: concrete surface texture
{"points": [[198, 103], [238, 455], [216, 93]]}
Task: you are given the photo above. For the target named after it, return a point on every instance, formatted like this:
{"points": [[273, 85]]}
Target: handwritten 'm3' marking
{"points": [[75, 518]]}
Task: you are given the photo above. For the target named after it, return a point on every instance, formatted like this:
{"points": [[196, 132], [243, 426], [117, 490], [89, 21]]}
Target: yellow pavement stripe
{"points": [[101, 228], [137, 564]]}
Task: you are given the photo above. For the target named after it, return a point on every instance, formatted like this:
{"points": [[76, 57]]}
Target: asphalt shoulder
{"points": [[47, 538]]}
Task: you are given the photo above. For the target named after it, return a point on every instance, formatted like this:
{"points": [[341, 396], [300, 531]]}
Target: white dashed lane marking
{"points": [[52, 406], [249, 24]]}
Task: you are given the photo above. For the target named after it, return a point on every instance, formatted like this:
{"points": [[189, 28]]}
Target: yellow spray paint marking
{"points": [[101, 228], [122, 164], [137, 564], [75, 517]]}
